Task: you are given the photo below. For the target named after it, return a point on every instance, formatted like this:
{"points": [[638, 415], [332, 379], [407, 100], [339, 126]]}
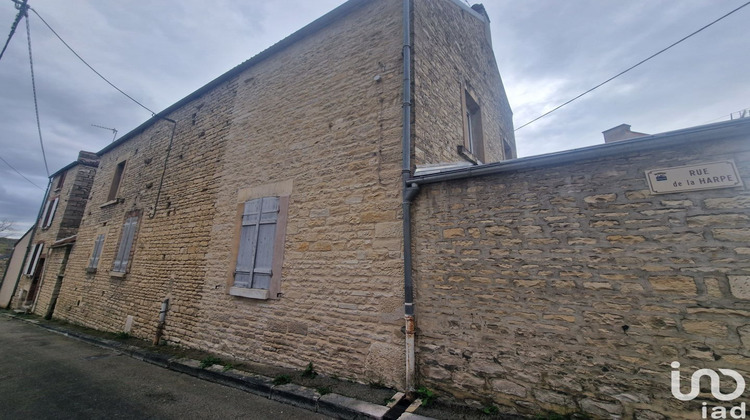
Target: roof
{"points": [[727, 129], [301, 34]]}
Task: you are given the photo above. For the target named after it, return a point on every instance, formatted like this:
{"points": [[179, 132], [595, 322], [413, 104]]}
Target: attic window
{"points": [[474, 140], [114, 188]]}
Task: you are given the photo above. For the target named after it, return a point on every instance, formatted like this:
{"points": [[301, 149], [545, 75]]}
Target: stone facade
{"points": [[315, 119], [452, 58], [59, 218], [562, 283]]}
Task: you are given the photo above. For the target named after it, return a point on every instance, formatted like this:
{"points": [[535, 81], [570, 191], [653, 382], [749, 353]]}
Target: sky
{"points": [[548, 51]]}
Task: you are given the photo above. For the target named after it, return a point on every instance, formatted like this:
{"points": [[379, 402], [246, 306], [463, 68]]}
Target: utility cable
{"points": [[22, 175], [628, 69], [88, 65], [22, 7], [36, 103]]}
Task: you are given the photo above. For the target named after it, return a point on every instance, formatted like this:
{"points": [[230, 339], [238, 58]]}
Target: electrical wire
{"points": [[36, 103], [19, 173], [630, 68], [22, 7], [87, 64]]}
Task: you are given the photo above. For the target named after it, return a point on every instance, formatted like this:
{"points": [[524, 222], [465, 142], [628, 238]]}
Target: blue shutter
{"points": [[126, 242], [94, 261], [255, 254]]}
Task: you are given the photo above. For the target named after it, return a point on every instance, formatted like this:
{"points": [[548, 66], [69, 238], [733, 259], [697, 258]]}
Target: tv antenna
{"points": [[113, 130]]}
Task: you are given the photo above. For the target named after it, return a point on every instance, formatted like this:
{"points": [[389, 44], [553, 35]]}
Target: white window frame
{"points": [[32, 262], [49, 213]]}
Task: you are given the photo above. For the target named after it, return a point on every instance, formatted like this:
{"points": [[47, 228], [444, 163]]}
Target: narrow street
{"points": [[44, 375]]}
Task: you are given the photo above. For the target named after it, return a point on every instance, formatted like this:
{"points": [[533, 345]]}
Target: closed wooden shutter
{"points": [[255, 256], [126, 243], [94, 261]]}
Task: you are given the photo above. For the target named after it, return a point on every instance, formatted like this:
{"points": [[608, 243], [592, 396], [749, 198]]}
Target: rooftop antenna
{"points": [[113, 130]]}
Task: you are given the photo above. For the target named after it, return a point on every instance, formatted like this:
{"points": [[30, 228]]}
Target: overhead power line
{"points": [[19, 173], [36, 103], [88, 65], [630, 68], [22, 7]]}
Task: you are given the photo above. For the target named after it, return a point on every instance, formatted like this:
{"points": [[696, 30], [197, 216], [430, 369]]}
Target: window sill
{"points": [[261, 294], [466, 154], [110, 203], [117, 274], [90, 270]]}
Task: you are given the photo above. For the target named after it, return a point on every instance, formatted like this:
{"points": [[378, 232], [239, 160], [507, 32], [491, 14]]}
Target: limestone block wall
{"points": [[453, 54], [314, 118], [167, 257], [571, 287]]}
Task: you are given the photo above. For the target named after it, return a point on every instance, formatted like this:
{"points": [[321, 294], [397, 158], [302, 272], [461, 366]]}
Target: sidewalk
{"points": [[319, 399]]}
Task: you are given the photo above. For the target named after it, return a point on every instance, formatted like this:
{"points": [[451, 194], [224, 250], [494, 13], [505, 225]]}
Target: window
{"points": [[507, 150], [94, 260], [474, 140], [257, 273], [126, 244], [33, 259], [49, 212], [116, 181], [60, 181]]}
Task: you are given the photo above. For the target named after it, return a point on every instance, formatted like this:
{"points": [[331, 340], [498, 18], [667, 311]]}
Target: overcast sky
{"points": [[548, 52]]}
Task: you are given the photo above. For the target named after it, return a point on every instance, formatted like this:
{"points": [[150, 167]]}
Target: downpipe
{"points": [[162, 321], [409, 192]]}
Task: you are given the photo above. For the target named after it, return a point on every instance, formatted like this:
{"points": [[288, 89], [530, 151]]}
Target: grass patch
{"points": [[323, 390], [427, 395], [209, 361], [309, 372], [282, 380]]}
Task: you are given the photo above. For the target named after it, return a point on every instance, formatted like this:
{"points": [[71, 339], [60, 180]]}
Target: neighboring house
{"points": [[54, 233], [13, 269], [265, 208]]}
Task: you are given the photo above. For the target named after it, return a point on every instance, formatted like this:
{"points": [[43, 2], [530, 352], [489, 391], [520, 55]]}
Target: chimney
{"points": [[621, 132], [88, 158]]}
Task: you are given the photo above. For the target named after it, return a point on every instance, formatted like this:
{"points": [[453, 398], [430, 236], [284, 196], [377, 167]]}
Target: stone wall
{"points": [[453, 54], [312, 116], [568, 286]]}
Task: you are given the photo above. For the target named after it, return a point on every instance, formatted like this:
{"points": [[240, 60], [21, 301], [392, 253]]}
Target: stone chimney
{"points": [[88, 158], [621, 132]]}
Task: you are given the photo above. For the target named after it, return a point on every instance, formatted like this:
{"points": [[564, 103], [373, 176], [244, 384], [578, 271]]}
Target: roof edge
{"points": [[726, 129], [296, 36]]}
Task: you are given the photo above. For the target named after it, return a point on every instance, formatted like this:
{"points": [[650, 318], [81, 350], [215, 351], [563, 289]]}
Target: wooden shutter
{"points": [[126, 243], [31, 264], [94, 261], [255, 255], [51, 212]]}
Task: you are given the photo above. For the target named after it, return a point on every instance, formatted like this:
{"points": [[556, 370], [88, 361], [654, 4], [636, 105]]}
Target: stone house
{"points": [[346, 198], [53, 235], [264, 210]]}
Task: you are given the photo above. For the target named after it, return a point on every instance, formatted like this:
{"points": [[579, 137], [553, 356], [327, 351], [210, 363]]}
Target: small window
{"points": [[34, 259], [474, 140], [507, 150], [49, 212], [94, 260], [126, 244], [116, 181], [60, 181], [257, 272]]}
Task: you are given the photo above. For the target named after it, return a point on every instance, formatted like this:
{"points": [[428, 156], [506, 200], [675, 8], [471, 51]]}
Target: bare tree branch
{"points": [[5, 227]]}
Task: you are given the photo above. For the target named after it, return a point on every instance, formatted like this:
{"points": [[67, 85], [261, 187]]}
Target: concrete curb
{"points": [[334, 405]]}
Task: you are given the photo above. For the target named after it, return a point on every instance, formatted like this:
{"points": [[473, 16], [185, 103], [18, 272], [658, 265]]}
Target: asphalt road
{"points": [[44, 375]]}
